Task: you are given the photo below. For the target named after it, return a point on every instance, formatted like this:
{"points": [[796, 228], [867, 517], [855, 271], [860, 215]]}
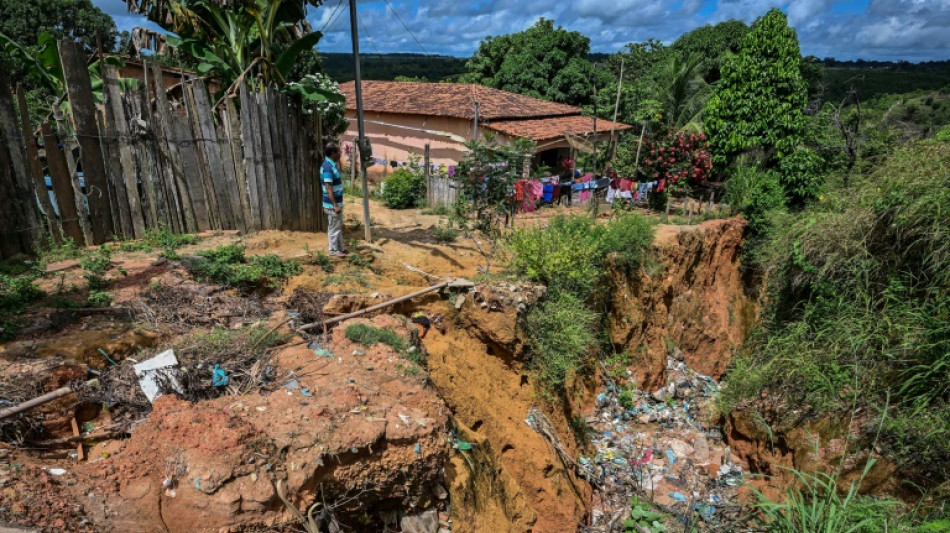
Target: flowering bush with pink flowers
{"points": [[676, 156]]}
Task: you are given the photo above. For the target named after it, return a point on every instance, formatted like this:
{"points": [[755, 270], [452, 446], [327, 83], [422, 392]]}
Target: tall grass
{"points": [[859, 293], [570, 256]]}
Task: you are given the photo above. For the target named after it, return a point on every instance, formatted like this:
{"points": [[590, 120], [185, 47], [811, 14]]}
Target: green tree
{"points": [[543, 61], [759, 104], [712, 44], [681, 90], [70, 20]]}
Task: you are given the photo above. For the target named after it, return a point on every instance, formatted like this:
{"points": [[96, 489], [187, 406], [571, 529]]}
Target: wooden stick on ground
{"points": [[40, 400]]}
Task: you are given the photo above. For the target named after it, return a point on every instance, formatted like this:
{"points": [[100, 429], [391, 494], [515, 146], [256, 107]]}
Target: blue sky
{"points": [[916, 30]]}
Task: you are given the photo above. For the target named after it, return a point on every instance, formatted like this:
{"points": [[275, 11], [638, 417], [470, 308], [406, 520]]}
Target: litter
{"points": [[292, 384], [219, 377], [57, 471], [156, 372], [678, 496], [306, 392]]}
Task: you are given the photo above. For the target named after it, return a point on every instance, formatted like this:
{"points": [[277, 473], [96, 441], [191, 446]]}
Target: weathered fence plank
{"points": [[167, 139], [62, 186], [120, 148], [123, 222], [251, 158], [79, 89], [271, 179], [36, 168], [210, 151], [232, 127], [21, 227], [79, 197], [191, 173]]}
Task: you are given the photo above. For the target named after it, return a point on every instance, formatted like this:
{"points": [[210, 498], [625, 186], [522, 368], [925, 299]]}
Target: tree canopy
{"points": [[71, 20], [543, 61]]}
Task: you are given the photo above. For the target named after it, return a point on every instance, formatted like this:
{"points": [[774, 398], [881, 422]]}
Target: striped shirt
{"points": [[330, 175]]}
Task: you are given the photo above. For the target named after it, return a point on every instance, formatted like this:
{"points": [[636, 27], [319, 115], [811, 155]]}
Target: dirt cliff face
{"points": [[511, 480], [361, 425], [691, 295]]}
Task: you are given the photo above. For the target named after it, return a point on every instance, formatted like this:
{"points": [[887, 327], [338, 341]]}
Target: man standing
{"points": [[333, 199]]}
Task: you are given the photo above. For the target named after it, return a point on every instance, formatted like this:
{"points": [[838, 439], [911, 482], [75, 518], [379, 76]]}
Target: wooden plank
{"points": [[251, 159], [22, 227], [203, 168], [122, 227], [230, 174], [267, 156], [79, 89], [117, 125], [276, 158], [79, 196], [36, 168], [62, 189], [236, 145], [303, 151], [184, 216], [191, 174], [210, 156], [263, 187], [149, 188], [294, 190]]}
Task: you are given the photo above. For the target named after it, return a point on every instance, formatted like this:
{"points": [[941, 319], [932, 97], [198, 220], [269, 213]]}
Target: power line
{"points": [[407, 28], [368, 36], [330, 22]]}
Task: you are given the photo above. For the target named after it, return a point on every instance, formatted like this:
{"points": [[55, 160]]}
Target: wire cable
{"points": [[330, 21], [407, 28], [368, 36]]}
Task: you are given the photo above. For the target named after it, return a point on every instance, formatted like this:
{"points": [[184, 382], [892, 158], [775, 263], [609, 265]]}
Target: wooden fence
{"points": [[440, 192], [147, 158]]}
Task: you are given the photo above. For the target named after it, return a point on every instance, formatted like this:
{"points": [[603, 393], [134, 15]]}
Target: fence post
{"points": [[20, 223], [354, 163], [79, 89], [130, 207], [36, 169], [428, 175], [72, 167]]}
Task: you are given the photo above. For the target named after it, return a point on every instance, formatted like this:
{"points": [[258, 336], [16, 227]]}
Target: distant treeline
{"points": [[871, 78], [389, 66]]}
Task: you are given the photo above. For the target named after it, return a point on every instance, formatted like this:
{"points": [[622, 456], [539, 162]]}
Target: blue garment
{"points": [[330, 174]]}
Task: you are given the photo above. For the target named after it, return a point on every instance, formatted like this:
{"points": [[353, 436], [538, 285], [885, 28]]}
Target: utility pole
{"points": [[616, 111], [475, 133], [594, 143], [366, 150]]}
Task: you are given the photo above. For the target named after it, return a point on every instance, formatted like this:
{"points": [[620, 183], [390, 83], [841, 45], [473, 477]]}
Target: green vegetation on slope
{"points": [[859, 293]]}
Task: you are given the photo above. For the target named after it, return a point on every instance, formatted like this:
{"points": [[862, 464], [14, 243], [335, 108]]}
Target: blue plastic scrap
{"points": [[418, 448], [219, 378], [306, 392], [670, 457], [678, 496]]}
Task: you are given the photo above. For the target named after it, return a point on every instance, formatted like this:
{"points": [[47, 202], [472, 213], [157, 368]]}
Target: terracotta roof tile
{"points": [[450, 100], [550, 128]]}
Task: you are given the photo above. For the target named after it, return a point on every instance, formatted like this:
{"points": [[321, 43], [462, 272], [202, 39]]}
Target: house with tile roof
{"points": [[402, 117]]}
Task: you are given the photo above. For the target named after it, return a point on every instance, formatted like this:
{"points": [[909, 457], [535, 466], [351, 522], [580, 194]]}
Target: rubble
{"points": [[658, 446]]}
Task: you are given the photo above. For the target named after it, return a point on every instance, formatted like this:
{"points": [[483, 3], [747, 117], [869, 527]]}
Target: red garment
{"points": [[519, 191], [661, 186], [647, 457], [626, 185]]}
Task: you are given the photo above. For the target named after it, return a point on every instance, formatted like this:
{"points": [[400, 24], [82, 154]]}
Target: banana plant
{"points": [[45, 68], [257, 40]]}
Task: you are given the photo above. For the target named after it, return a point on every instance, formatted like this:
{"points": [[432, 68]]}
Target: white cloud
{"points": [[886, 29]]}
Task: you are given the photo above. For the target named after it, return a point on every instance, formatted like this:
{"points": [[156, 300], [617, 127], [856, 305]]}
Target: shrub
{"points": [[676, 156], [859, 310], [943, 134], [227, 265], [15, 294], [570, 253], [756, 194], [560, 335], [404, 189], [445, 232], [368, 336], [800, 174], [322, 260], [96, 263], [815, 505]]}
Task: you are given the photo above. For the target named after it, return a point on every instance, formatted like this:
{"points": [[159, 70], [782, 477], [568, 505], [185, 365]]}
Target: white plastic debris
{"points": [[57, 471], [161, 368]]}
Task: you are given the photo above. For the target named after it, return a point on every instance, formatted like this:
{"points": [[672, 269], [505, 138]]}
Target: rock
{"points": [[427, 522], [459, 302], [192, 262], [661, 394], [439, 491]]}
